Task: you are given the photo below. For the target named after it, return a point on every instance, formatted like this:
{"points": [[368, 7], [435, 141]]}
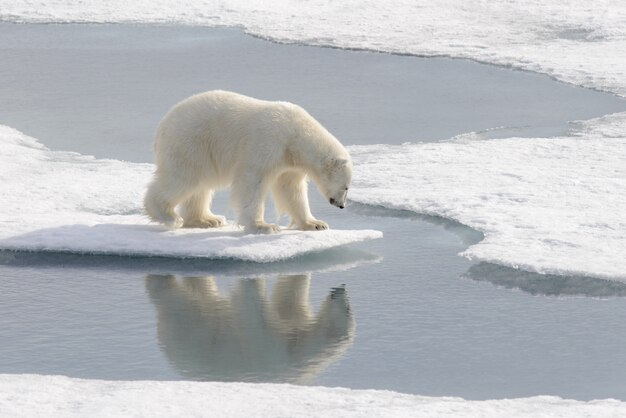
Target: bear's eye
{"points": [[346, 188]]}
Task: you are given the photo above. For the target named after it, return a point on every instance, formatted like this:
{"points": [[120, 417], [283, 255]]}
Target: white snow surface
{"points": [[576, 41], [35, 395], [549, 205], [64, 201]]}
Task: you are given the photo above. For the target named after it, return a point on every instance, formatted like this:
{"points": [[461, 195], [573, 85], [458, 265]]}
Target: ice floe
{"points": [[548, 205], [36, 395], [63, 201]]}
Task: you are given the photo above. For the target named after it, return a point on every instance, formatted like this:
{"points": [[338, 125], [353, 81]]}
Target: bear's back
{"points": [[225, 128]]}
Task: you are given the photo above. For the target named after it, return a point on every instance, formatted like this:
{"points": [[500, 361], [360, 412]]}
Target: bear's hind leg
{"points": [[196, 211], [290, 197], [160, 203]]}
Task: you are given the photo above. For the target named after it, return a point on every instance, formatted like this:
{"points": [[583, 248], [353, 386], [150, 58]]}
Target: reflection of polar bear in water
{"points": [[218, 139], [245, 337]]}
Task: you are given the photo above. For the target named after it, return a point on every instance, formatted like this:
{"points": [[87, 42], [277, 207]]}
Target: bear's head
{"points": [[334, 180]]}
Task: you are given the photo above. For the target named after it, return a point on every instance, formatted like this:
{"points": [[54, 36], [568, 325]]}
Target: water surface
{"points": [[403, 313], [101, 89]]}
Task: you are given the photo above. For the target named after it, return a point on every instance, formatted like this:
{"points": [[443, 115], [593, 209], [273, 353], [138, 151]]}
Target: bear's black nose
{"points": [[341, 207], [332, 201]]}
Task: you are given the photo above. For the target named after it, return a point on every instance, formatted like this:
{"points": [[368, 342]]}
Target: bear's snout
{"points": [[335, 203]]}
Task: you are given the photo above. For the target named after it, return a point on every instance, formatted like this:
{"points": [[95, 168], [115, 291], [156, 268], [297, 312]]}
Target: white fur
{"points": [[218, 139]]}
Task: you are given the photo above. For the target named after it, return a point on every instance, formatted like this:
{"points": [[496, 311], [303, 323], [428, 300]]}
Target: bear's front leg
{"points": [[196, 211], [248, 198], [291, 197]]}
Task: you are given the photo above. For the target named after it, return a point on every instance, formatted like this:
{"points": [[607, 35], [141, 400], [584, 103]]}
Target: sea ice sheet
{"points": [[63, 201], [36, 395], [548, 205]]}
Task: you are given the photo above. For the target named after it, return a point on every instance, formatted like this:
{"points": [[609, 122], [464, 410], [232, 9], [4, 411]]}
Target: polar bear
{"points": [[218, 139]]}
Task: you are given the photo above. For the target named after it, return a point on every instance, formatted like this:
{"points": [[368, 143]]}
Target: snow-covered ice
{"points": [[35, 395], [548, 36], [63, 201], [548, 205]]}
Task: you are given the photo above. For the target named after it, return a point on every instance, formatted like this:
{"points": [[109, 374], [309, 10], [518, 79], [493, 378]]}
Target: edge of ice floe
{"points": [[28, 395], [255, 248]]}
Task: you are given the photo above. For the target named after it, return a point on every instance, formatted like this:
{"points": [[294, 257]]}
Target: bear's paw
{"points": [[262, 228], [314, 225], [206, 222]]}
